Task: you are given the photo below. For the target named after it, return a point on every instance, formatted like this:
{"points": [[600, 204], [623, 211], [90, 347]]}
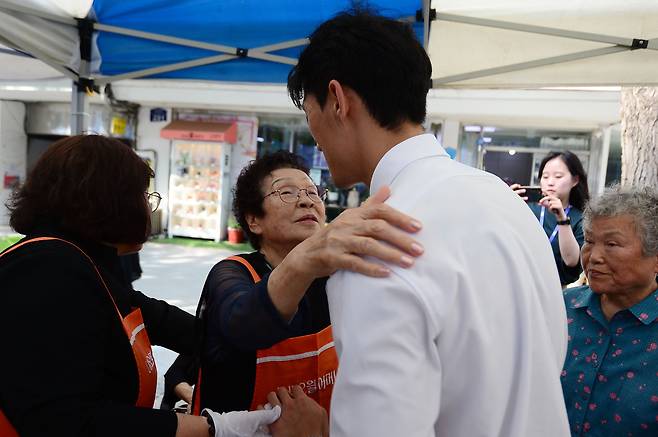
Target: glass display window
{"points": [[198, 196]]}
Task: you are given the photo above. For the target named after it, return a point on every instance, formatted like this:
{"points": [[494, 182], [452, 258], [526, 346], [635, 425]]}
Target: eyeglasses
{"points": [[154, 199], [292, 194]]}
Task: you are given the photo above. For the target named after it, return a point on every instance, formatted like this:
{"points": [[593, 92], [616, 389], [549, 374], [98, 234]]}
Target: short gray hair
{"points": [[639, 203]]}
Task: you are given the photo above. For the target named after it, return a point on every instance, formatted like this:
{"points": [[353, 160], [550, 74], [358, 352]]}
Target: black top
{"points": [[67, 366], [567, 274], [239, 319]]}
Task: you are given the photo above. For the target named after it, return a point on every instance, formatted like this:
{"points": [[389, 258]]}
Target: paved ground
{"points": [[6, 230], [175, 274]]}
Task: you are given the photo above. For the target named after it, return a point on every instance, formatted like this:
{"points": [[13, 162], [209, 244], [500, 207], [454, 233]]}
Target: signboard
{"points": [[158, 114], [11, 181]]}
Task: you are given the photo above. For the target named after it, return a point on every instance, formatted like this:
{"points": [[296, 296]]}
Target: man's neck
{"points": [[378, 141]]}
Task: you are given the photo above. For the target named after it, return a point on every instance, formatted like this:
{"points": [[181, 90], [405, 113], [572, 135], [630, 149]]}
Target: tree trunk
{"points": [[639, 137]]}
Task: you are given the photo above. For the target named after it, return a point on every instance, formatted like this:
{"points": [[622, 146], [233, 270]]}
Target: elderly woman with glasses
{"points": [[75, 337], [264, 315], [610, 377]]}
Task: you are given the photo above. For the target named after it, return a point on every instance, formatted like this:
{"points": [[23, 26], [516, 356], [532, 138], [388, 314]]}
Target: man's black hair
{"points": [[379, 58]]}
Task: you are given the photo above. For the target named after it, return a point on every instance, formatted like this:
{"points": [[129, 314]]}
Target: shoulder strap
{"points": [[39, 239], [255, 276], [196, 397]]}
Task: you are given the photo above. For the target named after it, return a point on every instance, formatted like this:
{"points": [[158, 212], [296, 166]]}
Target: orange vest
{"points": [[309, 361], [133, 326]]}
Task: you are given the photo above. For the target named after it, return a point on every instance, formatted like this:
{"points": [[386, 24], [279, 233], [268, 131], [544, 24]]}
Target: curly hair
{"points": [[89, 186], [641, 203], [247, 194]]}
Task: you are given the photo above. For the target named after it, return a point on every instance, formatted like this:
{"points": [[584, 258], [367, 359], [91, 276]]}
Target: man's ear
{"points": [[338, 99], [254, 224]]}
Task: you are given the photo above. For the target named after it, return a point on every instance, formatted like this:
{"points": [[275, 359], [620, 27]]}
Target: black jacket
{"points": [[238, 319], [67, 366]]}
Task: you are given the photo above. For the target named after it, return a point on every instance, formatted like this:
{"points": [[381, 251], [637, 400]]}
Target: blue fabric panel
{"points": [[235, 23]]}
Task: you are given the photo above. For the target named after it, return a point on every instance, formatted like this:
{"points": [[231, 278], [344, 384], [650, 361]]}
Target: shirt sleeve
{"points": [[167, 325], [571, 274], [242, 312], [579, 233], [183, 369], [389, 378], [56, 320]]}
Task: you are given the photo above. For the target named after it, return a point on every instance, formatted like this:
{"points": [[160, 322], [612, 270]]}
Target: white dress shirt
{"points": [[471, 340]]}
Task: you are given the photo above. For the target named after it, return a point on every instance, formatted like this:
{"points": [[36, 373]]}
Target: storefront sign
{"points": [[11, 181], [118, 127], [201, 131], [158, 114]]}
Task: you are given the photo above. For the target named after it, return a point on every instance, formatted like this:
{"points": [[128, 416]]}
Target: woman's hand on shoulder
{"points": [[371, 230]]}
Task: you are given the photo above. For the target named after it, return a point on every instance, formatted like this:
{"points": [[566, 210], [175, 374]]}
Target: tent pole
{"points": [[527, 65], [85, 84], [541, 30], [253, 52], [79, 105], [257, 53], [426, 23]]}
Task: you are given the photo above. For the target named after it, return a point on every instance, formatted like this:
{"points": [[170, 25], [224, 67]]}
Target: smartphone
{"points": [[533, 194]]}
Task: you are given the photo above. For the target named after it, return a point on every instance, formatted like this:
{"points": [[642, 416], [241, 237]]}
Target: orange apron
{"points": [[309, 361], [133, 326]]}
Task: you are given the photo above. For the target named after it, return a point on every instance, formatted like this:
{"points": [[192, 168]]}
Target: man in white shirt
{"points": [[470, 340]]}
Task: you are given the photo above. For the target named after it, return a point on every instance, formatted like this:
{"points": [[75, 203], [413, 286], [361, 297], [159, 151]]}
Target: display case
{"points": [[199, 192]]}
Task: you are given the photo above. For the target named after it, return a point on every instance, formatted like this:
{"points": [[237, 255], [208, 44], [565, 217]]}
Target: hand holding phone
{"points": [[533, 194]]}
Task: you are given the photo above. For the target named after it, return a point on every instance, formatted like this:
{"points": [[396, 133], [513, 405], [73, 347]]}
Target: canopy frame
{"points": [[618, 44], [262, 52], [84, 82], [229, 52]]}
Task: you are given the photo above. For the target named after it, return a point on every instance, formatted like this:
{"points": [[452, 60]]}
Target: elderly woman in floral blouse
{"points": [[610, 377]]}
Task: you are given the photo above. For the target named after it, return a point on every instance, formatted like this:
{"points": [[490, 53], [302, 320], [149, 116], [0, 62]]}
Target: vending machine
{"points": [[199, 189]]}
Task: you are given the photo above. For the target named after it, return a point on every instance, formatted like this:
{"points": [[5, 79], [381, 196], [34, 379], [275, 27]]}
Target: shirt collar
{"points": [[403, 154], [646, 311], [588, 301], [582, 300]]}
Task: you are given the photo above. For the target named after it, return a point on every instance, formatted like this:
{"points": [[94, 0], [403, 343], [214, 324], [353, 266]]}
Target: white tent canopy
{"points": [[20, 67], [46, 29], [472, 43], [539, 43]]}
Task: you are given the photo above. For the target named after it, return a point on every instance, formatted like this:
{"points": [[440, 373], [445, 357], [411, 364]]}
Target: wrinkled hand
{"points": [[518, 190], [243, 423], [374, 229], [554, 205], [301, 416]]}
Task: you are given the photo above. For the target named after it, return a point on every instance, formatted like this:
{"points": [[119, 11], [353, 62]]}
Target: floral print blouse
{"points": [[610, 376]]}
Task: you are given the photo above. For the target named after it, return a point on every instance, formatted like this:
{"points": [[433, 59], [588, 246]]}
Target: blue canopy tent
{"points": [[235, 40], [473, 43], [229, 40]]}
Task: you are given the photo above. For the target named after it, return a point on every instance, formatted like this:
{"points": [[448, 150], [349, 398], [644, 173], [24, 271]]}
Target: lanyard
{"points": [[541, 221]]}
